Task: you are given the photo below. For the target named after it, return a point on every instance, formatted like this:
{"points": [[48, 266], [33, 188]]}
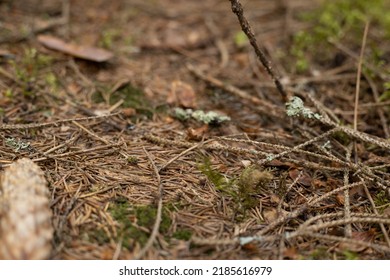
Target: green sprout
{"points": [[240, 39]]}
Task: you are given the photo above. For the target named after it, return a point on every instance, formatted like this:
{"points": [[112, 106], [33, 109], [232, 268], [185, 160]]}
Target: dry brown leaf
{"points": [[242, 59], [275, 199], [73, 88], [251, 248], [174, 39], [278, 163], [304, 179], [182, 94], [84, 52], [197, 133], [318, 183], [246, 163], [129, 112], [332, 183], [175, 36], [291, 253], [340, 198], [271, 215], [366, 236], [356, 193]]}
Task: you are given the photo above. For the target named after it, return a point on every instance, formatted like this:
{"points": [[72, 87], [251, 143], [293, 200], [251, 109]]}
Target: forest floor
{"points": [[156, 183]]}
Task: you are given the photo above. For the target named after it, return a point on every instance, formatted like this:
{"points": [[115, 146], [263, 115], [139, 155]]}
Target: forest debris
{"points": [[84, 52], [182, 94], [367, 236], [26, 230], [253, 177], [304, 178], [175, 36], [197, 133], [272, 214]]}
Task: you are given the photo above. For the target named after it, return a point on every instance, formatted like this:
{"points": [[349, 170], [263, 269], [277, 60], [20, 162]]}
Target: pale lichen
{"points": [[296, 108], [182, 114], [210, 117], [16, 144]]}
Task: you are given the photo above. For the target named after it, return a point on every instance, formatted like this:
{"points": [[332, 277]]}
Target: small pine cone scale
{"points": [[26, 230]]}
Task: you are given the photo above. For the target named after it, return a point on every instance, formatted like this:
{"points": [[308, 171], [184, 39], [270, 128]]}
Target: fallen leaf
{"points": [[318, 183], [168, 119], [84, 52], [251, 248], [304, 178], [278, 163], [246, 163], [197, 133], [340, 198], [242, 59], [272, 214], [291, 253], [366, 236], [356, 193], [175, 36], [182, 94], [129, 112], [65, 128], [275, 199], [332, 183], [73, 88]]}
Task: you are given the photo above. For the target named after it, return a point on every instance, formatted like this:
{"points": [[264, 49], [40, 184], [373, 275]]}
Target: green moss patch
{"points": [[133, 219], [335, 21], [132, 97], [243, 189]]}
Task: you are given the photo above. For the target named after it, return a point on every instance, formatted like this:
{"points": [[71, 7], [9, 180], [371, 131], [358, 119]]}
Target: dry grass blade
{"points": [[157, 223], [347, 204], [382, 226], [182, 154], [283, 219], [377, 247], [54, 123], [359, 73]]}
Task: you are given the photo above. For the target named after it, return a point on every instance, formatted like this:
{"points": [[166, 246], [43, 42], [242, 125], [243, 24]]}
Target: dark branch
{"points": [[246, 28]]}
